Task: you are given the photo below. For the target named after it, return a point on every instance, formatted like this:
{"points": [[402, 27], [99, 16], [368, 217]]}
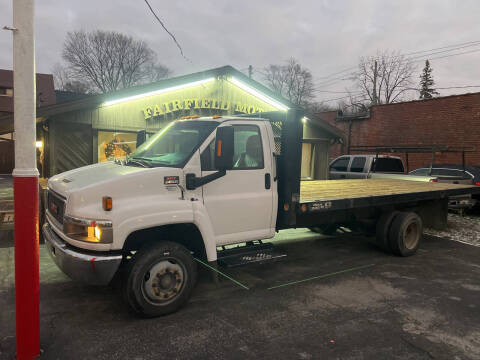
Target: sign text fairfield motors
{"points": [[188, 104]]}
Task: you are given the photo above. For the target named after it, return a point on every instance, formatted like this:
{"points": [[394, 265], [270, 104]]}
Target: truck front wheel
{"points": [[159, 279], [405, 233]]}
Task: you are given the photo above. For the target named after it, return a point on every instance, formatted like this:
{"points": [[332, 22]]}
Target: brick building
{"points": [[45, 96], [452, 121]]}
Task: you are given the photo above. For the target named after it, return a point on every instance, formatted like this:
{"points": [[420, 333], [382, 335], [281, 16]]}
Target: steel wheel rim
{"points": [[410, 236], [164, 281]]}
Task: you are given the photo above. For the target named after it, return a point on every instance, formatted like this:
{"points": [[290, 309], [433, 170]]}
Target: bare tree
{"points": [[109, 60], [157, 72], [64, 81], [313, 107], [384, 78], [291, 81]]}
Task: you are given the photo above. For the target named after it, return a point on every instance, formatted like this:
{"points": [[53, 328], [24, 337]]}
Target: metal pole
{"points": [[25, 183], [374, 99], [431, 162]]}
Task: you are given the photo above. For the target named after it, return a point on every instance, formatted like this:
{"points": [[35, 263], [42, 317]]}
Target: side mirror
{"points": [[224, 145], [141, 137]]}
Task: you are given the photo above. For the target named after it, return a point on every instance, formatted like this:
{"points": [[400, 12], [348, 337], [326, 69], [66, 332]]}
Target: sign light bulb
{"points": [[258, 94], [156, 92]]}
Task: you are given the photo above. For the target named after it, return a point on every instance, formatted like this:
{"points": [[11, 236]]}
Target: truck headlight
{"points": [[96, 231]]}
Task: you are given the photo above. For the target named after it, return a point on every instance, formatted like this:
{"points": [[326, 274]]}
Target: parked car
{"points": [[468, 175], [370, 167], [454, 174]]}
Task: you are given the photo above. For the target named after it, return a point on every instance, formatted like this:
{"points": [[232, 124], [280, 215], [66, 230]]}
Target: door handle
{"points": [[268, 181]]}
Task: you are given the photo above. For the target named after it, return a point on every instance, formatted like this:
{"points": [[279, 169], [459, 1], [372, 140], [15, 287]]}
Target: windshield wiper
{"points": [[144, 162], [140, 158]]}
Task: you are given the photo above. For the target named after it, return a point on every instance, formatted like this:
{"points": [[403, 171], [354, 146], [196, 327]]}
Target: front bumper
{"points": [[94, 268]]}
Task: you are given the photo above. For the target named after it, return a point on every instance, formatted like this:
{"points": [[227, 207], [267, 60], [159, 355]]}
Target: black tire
{"points": [[405, 233], [326, 229], [383, 228], [159, 279]]}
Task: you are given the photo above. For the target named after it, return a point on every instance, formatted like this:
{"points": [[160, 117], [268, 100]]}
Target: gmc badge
{"points": [[171, 180]]}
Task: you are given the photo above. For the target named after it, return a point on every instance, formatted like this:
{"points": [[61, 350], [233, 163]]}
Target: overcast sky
{"points": [[325, 36]]}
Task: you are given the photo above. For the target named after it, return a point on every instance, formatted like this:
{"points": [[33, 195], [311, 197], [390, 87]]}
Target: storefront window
{"points": [[115, 145]]}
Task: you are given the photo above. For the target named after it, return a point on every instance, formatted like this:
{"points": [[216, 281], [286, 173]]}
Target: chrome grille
{"points": [[55, 206]]}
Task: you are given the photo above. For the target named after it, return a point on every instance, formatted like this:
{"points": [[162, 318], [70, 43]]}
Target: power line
{"points": [[336, 92], [416, 89], [443, 47], [440, 52], [338, 72], [168, 32], [444, 88], [458, 87], [346, 97], [429, 52], [466, 52], [336, 80], [412, 59]]}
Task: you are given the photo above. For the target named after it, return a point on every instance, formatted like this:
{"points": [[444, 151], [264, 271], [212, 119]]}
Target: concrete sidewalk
{"points": [[422, 307]]}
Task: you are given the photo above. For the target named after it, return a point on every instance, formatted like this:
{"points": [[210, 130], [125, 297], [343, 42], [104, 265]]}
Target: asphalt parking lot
{"points": [[356, 303]]}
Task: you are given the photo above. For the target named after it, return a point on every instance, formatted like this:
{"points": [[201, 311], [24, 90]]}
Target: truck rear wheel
{"points": [[383, 226], [159, 279], [405, 233]]}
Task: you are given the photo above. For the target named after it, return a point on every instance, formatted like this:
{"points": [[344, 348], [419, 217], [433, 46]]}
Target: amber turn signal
{"points": [[107, 203]]}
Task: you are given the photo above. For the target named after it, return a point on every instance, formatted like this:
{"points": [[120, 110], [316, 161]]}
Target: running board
{"points": [[249, 254]]}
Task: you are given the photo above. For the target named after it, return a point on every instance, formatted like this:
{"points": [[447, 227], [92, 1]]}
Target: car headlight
{"points": [[96, 231]]}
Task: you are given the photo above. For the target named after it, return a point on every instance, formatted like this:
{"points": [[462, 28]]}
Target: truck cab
{"points": [[175, 187]]}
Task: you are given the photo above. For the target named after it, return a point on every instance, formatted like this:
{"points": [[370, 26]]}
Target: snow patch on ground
{"points": [[465, 229]]}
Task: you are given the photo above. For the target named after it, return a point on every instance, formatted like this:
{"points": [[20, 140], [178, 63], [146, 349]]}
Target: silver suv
{"points": [[359, 166]]}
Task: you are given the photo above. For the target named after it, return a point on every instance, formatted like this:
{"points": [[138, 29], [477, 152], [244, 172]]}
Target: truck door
{"points": [[339, 167], [357, 168], [240, 204]]}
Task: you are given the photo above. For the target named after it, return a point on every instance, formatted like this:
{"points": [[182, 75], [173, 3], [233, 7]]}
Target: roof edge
{"points": [[95, 100]]}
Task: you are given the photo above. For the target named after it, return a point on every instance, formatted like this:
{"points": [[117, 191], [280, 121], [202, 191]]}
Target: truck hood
{"points": [[80, 178]]}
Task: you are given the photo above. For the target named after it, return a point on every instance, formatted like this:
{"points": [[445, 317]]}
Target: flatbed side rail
{"points": [[323, 205]]}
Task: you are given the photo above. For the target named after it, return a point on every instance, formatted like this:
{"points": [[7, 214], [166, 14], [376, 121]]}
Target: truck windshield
{"points": [[172, 146]]}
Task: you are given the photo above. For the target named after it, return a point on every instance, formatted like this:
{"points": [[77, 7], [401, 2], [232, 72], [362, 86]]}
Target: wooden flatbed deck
{"points": [[331, 190]]}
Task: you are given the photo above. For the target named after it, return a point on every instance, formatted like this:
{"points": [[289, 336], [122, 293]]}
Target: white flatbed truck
{"points": [[201, 184]]}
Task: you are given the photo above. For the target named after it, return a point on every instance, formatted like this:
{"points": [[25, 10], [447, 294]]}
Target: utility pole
{"points": [[250, 71], [25, 183], [374, 99]]}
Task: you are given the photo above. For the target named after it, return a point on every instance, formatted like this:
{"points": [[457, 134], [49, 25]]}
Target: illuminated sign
{"points": [[157, 92], [195, 103]]}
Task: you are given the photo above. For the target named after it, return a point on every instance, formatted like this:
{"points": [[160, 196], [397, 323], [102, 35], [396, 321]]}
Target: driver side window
{"points": [[248, 152]]}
